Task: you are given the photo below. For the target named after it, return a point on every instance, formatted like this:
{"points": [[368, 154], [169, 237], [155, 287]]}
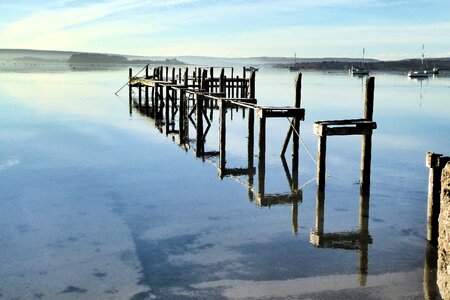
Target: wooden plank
{"points": [[365, 127], [343, 122]]}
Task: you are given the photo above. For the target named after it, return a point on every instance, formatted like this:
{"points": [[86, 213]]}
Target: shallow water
{"points": [[97, 203]]}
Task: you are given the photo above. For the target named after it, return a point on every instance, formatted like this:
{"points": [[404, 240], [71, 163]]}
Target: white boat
{"points": [[435, 71], [418, 74], [251, 68], [359, 70], [421, 73], [295, 66]]}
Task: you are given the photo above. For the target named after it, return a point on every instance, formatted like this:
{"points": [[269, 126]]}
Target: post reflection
{"points": [[357, 240]]}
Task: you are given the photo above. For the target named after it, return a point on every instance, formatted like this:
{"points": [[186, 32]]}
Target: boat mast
{"points": [[363, 57], [423, 55]]}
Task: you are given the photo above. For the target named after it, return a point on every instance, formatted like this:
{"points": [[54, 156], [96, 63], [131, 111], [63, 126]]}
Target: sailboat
{"points": [[422, 73], [359, 70], [294, 67]]}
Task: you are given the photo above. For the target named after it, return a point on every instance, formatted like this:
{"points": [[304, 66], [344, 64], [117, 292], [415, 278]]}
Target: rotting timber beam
{"points": [[281, 111], [344, 127]]}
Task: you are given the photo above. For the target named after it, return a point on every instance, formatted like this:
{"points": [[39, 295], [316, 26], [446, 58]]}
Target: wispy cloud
{"points": [[234, 27]]}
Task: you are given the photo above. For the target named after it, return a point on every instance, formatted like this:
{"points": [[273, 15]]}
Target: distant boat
{"points": [[359, 70], [421, 73], [294, 67], [251, 68], [435, 71]]}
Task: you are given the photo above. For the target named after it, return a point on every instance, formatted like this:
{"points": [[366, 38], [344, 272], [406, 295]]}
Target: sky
{"points": [[387, 29]]}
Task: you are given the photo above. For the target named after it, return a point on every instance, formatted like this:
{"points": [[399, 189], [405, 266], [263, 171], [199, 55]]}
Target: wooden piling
{"points": [[130, 91], [166, 106], [262, 157], [186, 78], [199, 122], [203, 82], [222, 135], [250, 151], [252, 92], [182, 117], [140, 95], [368, 102], [295, 136], [321, 160], [211, 74], [222, 81]]}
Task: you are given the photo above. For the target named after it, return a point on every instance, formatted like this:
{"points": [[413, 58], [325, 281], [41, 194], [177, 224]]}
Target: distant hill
{"points": [[71, 57], [326, 63], [398, 65], [96, 58]]}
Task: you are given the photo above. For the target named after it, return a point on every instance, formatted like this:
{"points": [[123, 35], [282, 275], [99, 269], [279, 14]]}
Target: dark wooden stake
{"points": [[262, 158], [222, 136], [321, 160]]}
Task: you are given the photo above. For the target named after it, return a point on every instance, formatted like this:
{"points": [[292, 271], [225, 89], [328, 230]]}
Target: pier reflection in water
{"points": [[177, 104], [197, 107]]}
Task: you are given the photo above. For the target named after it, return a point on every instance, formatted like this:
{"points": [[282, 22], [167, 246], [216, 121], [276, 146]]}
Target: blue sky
{"points": [[388, 29]]}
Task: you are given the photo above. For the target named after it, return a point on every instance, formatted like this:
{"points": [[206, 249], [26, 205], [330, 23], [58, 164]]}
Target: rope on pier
{"points": [[304, 146], [127, 83]]}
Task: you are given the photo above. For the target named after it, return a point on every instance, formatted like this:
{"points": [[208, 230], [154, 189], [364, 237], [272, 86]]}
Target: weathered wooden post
{"points": [[140, 95], [174, 80], [167, 73], [295, 136], [181, 119], [222, 135], [199, 117], [252, 91], [243, 72], [186, 78], [436, 163], [130, 87], [250, 151], [262, 157], [366, 147], [199, 78], [222, 81], [321, 160], [211, 74], [179, 75], [146, 90], [166, 106]]}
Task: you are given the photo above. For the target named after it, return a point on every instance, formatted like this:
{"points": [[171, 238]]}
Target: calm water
{"points": [[97, 203]]}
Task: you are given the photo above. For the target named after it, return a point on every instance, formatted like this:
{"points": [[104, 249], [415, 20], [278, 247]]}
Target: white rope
{"points": [[306, 147]]}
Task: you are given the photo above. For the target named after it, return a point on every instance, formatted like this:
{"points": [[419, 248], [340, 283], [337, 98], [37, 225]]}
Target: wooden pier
{"points": [[174, 97], [193, 97]]}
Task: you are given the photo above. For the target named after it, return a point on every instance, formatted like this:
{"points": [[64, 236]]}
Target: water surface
{"points": [[98, 203]]}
